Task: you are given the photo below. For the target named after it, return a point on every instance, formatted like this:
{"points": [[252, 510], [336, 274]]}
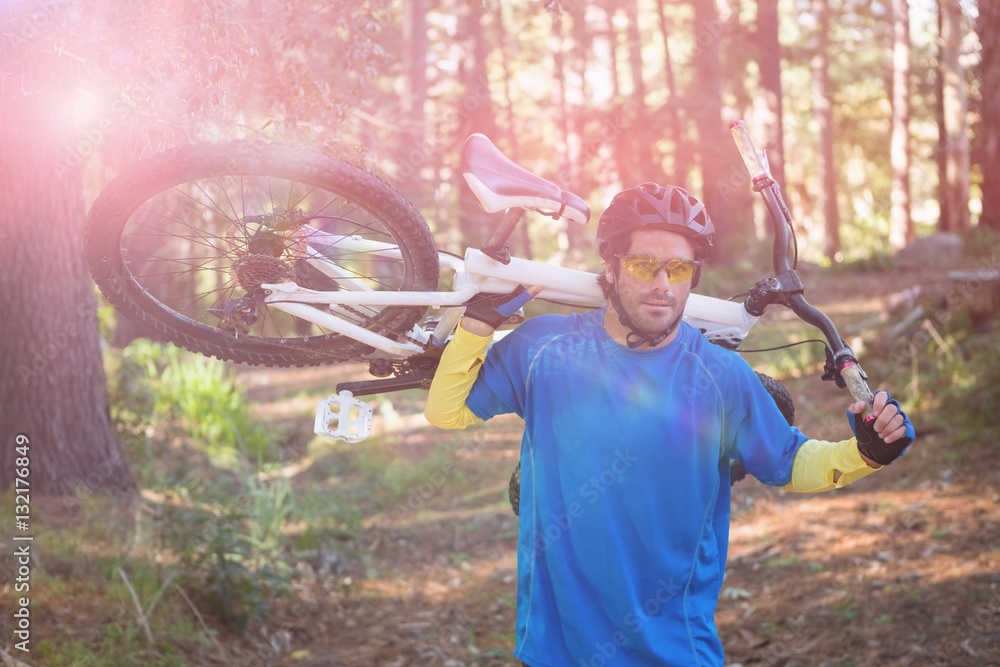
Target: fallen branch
{"points": [[204, 626], [906, 323], [8, 659]]}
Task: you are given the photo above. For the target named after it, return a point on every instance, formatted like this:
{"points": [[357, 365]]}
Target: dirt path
{"points": [[901, 569]]}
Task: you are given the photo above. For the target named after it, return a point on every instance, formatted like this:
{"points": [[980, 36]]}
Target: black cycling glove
{"points": [[872, 446], [495, 309]]}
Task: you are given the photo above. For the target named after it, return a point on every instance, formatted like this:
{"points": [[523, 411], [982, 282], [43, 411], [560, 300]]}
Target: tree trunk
{"points": [[956, 107], [900, 221], [619, 141], [578, 175], [52, 382], [612, 33], [823, 112], [941, 154], [640, 131], [733, 224], [521, 242], [769, 108], [671, 118], [569, 237], [988, 27], [510, 119], [559, 67], [476, 114], [414, 154], [668, 63]]}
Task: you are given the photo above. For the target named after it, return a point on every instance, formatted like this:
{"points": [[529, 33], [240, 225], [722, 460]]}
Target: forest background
{"points": [[881, 120]]}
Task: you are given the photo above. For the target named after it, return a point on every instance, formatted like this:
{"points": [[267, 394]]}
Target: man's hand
{"points": [[485, 312], [885, 433]]}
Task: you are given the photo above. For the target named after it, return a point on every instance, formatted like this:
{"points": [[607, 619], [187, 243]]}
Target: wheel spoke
{"points": [[199, 245], [202, 295], [182, 222]]}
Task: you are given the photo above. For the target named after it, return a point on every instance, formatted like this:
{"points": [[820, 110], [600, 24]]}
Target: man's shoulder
{"points": [[711, 354], [537, 333], [542, 326]]}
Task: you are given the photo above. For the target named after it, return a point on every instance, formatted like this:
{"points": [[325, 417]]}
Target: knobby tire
{"points": [[133, 259]]}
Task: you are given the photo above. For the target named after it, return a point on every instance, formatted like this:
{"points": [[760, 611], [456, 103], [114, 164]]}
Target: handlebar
{"points": [[785, 287]]}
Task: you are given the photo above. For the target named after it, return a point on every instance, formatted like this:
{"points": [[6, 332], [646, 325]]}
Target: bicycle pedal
{"points": [[343, 417]]}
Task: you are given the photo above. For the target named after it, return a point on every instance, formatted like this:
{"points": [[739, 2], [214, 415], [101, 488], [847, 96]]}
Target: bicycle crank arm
{"points": [[401, 383]]}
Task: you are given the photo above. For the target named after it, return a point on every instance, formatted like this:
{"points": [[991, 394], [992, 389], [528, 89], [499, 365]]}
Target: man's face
{"points": [[652, 306]]}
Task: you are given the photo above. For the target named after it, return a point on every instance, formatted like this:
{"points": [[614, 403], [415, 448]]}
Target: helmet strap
{"points": [[634, 338]]}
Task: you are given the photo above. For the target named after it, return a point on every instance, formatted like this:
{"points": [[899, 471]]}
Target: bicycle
{"points": [[282, 255]]}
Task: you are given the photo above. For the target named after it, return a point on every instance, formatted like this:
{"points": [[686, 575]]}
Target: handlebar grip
{"points": [[858, 387], [751, 158]]}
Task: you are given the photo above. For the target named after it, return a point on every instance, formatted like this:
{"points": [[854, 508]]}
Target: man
{"points": [[631, 419]]}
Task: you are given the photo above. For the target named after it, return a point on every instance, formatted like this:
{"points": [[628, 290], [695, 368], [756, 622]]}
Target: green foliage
{"points": [[203, 393], [983, 245], [131, 389], [113, 649], [107, 316], [788, 560], [233, 553], [969, 382], [154, 383], [228, 536], [949, 375]]}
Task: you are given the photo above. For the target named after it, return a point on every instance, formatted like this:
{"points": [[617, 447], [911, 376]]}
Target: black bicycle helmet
{"points": [[659, 207], [652, 206]]}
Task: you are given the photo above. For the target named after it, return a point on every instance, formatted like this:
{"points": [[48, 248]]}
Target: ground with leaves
{"points": [[408, 557]]}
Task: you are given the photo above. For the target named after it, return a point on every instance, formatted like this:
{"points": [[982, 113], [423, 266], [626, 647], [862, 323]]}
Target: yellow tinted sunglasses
{"points": [[645, 268]]}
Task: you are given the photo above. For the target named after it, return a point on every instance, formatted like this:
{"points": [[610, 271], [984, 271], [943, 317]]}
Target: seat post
{"points": [[498, 247]]}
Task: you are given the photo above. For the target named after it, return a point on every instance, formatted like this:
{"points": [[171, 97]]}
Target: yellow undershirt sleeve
{"points": [[817, 460], [457, 371]]}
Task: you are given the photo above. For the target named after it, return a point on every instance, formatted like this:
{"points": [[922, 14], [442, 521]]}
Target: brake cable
{"points": [[786, 345]]}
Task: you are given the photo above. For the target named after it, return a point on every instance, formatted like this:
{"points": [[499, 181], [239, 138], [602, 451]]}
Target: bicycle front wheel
{"points": [[182, 242]]}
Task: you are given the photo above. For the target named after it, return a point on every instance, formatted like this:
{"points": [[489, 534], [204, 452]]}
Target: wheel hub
{"points": [[266, 243]]}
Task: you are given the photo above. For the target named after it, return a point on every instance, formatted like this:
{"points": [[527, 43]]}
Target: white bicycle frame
{"points": [[726, 322], [343, 417]]}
